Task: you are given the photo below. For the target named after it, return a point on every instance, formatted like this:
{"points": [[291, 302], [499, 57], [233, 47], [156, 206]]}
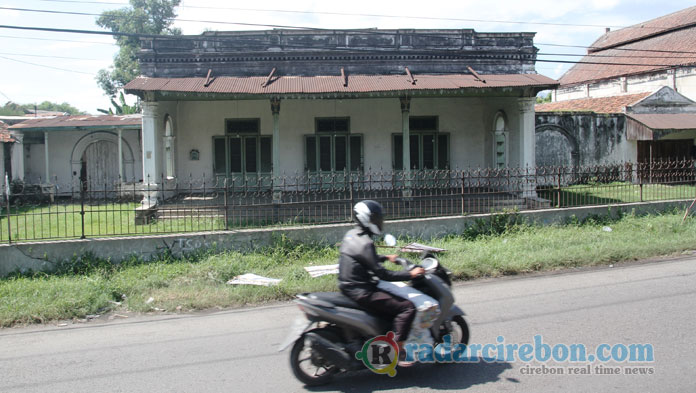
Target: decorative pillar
{"points": [[526, 143], [149, 137], [275, 109], [18, 157], [406, 144], [120, 156], [47, 179], [151, 162]]}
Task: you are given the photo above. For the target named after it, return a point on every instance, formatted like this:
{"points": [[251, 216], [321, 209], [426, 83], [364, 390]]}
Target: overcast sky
{"points": [[61, 67]]}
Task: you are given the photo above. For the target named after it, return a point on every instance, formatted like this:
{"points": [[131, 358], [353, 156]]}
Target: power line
{"points": [[49, 56], [297, 46], [5, 95], [46, 66], [370, 15], [60, 40], [277, 26]]}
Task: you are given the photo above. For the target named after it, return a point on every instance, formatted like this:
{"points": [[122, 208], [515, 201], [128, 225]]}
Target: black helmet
{"points": [[368, 214]]}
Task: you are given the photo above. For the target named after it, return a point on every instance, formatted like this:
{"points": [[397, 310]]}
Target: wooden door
{"points": [[100, 163]]}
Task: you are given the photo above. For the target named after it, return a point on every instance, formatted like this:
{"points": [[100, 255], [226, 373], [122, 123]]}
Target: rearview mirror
{"points": [[390, 240]]}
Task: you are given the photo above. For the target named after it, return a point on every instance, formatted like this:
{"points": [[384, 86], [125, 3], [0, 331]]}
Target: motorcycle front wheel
{"points": [[308, 365]]}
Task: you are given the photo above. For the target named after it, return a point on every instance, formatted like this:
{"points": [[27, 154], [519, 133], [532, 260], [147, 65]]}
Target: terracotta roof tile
{"points": [[634, 47], [614, 104], [667, 121], [5, 136]]}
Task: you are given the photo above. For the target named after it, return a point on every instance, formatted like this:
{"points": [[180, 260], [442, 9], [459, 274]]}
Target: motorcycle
{"points": [[334, 328]]}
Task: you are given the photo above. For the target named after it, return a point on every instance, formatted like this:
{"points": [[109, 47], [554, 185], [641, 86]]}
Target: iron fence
{"points": [[101, 209]]}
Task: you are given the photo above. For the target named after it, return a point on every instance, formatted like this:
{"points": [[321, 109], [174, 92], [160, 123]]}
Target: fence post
{"points": [[640, 183], [82, 209], [463, 191], [350, 190], [9, 221], [559, 188], [227, 226]]}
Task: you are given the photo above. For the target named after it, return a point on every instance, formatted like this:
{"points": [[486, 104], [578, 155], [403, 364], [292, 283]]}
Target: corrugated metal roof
{"points": [[635, 48], [68, 122], [5, 136], [614, 104], [335, 84], [669, 121]]}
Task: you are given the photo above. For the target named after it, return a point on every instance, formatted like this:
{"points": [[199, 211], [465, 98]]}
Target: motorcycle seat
{"points": [[335, 298]]}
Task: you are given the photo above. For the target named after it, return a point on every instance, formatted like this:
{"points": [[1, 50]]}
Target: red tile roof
{"points": [[5, 136], [670, 121], [76, 122], [614, 104], [335, 84], [635, 49], [657, 26]]}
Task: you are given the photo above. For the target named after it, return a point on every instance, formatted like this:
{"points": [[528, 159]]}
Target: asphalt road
{"points": [[235, 350]]}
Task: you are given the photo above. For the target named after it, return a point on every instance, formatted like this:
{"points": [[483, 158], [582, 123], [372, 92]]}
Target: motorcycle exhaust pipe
{"points": [[331, 352]]}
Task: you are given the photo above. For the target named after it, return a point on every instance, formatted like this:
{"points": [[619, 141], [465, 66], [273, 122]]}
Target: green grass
{"points": [[491, 248], [63, 221], [617, 192]]}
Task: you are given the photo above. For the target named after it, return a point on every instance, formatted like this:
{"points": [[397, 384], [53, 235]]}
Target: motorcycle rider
{"points": [[359, 264]]}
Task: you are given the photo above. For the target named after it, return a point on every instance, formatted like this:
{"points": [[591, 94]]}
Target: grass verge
{"points": [[491, 248]]}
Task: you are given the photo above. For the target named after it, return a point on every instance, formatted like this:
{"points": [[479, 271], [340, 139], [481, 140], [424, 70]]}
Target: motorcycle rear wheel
{"points": [[307, 365], [459, 330]]}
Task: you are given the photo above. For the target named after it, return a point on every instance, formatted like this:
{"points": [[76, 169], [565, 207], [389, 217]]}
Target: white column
{"points": [[406, 144], [120, 155], [405, 131], [47, 179], [18, 157], [151, 165], [151, 162], [526, 135], [275, 109]]}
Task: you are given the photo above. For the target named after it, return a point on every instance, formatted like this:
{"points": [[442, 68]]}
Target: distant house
{"points": [[642, 127], [241, 105], [639, 58], [6, 142], [631, 98], [78, 151]]}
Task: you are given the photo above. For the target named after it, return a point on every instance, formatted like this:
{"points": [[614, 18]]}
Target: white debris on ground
{"points": [[317, 271], [253, 279], [606, 229], [417, 247]]}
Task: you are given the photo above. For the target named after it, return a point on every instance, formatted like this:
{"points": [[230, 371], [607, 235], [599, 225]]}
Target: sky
{"points": [[61, 67]]}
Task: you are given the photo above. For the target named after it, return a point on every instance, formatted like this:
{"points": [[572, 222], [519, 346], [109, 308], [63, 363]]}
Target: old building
{"points": [[636, 59], [630, 99], [253, 104], [642, 127], [84, 152]]}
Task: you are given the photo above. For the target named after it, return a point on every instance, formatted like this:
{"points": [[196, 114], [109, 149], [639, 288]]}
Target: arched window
{"points": [[500, 144], [169, 169]]}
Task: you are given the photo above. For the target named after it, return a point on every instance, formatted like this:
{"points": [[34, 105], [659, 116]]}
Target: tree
{"points": [[142, 17], [121, 108], [13, 109], [543, 98]]}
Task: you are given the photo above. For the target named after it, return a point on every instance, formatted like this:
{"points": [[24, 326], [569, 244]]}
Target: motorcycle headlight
{"points": [[429, 264]]}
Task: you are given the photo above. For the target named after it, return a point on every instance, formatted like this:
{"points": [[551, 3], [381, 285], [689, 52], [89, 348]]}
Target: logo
{"points": [[380, 354]]}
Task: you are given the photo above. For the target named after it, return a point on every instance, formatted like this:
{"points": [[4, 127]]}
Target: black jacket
{"points": [[359, 266]]}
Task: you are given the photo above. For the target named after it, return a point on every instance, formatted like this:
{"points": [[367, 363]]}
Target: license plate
{"points": [[298, 327]]}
